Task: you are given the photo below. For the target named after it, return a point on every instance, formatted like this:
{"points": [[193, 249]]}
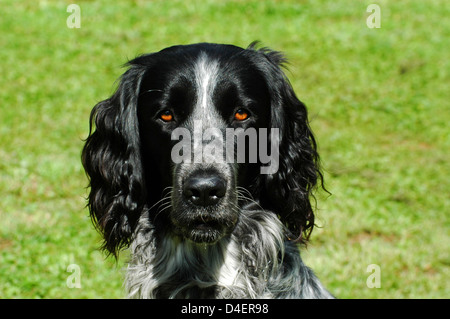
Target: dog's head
{"points": [[195, 133]]}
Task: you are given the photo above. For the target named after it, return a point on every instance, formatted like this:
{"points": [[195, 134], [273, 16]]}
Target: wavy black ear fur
{"points": [[288, 192], [111, 159]]}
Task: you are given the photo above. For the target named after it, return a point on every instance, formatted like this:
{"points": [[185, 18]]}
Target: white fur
{"points": [[253, 262], [206, 71]]}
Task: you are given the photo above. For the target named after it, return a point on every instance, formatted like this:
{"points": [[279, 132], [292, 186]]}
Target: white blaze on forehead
{"points": [[206, 71], [205, 118]]}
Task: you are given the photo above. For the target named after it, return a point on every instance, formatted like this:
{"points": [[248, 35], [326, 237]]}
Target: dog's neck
{"points": [[172, 267]]}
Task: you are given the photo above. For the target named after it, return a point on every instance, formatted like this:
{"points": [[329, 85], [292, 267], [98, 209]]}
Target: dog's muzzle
{"points": [[205, 202]]}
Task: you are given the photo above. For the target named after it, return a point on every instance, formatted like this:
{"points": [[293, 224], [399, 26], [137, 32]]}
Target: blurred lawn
{"points": [[378, 99]]}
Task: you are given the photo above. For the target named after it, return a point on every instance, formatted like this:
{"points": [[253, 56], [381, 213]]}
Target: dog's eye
{"points": [[241, 115], [166, 116]]}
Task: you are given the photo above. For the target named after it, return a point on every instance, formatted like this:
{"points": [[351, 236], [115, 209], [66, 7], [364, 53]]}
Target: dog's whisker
{"points": [[163, 203], [161, 209], [245, 195], [160, 201]]}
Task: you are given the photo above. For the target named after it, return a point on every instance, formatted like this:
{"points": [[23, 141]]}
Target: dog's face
{"points": [[203, 92], [194, 134]]}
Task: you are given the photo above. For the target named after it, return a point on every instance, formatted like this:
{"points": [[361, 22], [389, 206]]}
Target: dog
{"points": [[199, 225]]}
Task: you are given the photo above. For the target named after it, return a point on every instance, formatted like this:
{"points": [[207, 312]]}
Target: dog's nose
{"points": [[204, 190]]}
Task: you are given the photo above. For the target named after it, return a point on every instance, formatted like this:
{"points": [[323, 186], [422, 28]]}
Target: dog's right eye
{"points": [[241, 115], [166, 116]]}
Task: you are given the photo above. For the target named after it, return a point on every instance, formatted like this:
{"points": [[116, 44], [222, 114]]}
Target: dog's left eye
{"points": [[166, 116], [241, 115]]}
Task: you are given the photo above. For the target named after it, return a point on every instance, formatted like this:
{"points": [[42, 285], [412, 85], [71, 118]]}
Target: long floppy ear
{"points": [[111, 158], [289, 190]]}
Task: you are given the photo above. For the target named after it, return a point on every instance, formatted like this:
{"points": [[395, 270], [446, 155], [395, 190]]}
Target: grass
{"points": [[378, 100]]}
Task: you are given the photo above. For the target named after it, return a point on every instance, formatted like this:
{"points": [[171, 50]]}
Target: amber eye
{"points": [[241, 115], [166, 116]]}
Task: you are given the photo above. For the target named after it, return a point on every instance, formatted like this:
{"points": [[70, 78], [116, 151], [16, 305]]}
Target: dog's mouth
{"points": [[205, 229], [205, 232], [206, 223]]}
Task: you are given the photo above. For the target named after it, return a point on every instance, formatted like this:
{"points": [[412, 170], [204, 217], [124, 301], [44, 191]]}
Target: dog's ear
{"points": [[288, 191], [111, 158]]}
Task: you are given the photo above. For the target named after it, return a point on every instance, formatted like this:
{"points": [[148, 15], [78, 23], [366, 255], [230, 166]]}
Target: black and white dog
{"points": [[203, 163]]}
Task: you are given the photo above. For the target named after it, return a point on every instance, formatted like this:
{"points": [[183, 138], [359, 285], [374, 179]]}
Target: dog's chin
{"points": [[205, 233], [203, 230]]}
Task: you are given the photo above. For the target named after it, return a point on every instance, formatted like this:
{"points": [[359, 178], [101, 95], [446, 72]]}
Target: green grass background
{"points": [[378, 101]]}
